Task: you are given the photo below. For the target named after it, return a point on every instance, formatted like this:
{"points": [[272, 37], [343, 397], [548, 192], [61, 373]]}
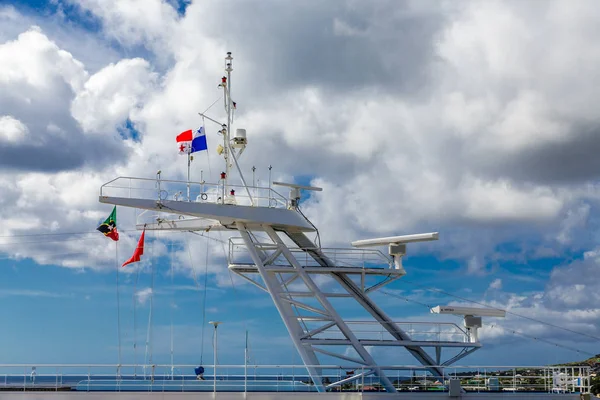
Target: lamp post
{"points": [[215, 324]]}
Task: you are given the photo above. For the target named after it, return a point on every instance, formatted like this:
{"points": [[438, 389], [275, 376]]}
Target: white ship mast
{"points": [[230, 145], [287, 272]]}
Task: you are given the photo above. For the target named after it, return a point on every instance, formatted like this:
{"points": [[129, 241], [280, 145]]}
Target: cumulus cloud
{"points": [[574, 286], [413, 116], [38, 81], [496, 284], [143, 295], [112, 94], [118, 19], [12, 130], [574, 219], [468, 119], [570, 296], [36, 61]]}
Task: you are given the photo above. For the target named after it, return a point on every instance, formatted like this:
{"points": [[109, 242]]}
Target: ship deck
{"points": [[285, 381], [74, 395]]}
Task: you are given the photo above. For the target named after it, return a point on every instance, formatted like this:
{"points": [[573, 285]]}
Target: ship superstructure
{"points": [[275, 253]]}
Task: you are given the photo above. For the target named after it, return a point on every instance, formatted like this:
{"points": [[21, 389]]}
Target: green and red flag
{"points": [[109, 226]]}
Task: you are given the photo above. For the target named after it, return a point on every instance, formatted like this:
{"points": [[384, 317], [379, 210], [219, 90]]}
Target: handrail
{"points": [[284, 377], [410, 366], [158, 187], [341, 256]]}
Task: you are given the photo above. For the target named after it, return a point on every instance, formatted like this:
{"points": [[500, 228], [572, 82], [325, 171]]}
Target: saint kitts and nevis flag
{"points": [[109, 226], [191, 142], [188, 142], [109, 229]]}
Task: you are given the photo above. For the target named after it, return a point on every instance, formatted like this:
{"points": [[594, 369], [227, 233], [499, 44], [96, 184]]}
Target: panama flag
{"points": [[188, 143]]}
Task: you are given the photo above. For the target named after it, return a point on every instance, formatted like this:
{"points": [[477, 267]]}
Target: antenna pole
{"points": [[246, 364], [270, 168], [188, 177], [228, 151], [227, 138], [254, 181], [201, 181], [209, 118]]}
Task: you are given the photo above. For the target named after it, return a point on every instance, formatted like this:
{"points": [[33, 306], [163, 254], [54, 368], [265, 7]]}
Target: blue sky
{"points": [[474, 146]]}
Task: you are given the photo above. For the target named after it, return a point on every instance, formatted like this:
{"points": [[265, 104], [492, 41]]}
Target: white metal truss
{"points": [[288, 272], [290, 266], [284, 301], [297, 313]]}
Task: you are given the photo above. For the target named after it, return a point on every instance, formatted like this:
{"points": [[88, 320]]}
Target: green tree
{"points": [[595, 385]]}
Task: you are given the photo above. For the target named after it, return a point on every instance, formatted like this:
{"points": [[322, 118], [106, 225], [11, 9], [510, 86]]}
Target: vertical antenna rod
{"points": [[227, 136], [188, 176]]}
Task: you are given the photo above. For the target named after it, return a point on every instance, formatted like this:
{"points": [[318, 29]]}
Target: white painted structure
{"points": [[274, 253]]}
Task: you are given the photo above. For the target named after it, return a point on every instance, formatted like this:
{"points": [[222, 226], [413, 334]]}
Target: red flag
{"points": [[186, 136], [139, 250]]}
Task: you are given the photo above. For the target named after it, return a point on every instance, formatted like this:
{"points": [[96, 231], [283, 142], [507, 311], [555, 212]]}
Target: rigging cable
{"points": [[148, 355], [235, 294], [206, 236], [405, 299], [94, 232], [135, 282], [204, 127], [204, 299], [209, 107], [515, 332], [545, 341], [171, 308], [208, 152], [118, 307], [508, 312], [51, 241], [195, 276], [310, 222]]}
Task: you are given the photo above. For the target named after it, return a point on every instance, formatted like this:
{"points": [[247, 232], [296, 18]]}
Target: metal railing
{"points": [[202, 192], [289, 378], [341, 257], [418, 331]]}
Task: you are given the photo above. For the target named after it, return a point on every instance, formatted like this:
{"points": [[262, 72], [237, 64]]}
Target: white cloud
{"points": [[496, 284], [121, 20], [574, 219], [35, 61], [499, 201], [112, 94], [343, 28], [12, 130], [143, 295], [29, 293], [565, 312], [449, 154]]}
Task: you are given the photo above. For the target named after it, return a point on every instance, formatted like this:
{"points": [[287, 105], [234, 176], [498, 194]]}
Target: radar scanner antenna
{"points": [[472, 317], [295, 192], [397, 245]]}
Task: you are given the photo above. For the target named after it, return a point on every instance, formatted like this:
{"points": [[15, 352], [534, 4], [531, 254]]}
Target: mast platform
{"points": [[209, 201], [274, 254], [304, 279]]}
